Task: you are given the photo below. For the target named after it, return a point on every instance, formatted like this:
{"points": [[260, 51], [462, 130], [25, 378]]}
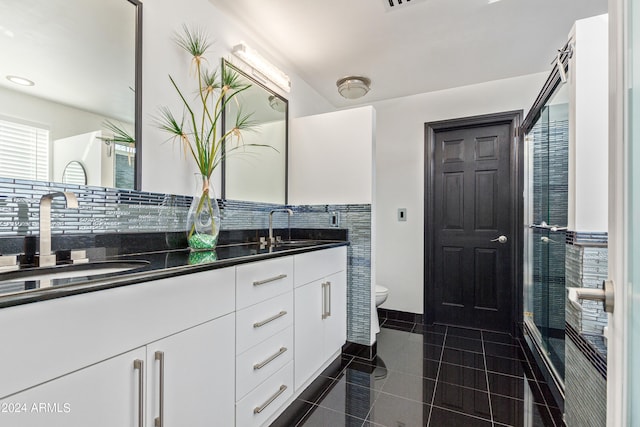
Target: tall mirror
{"points": [[257, 174], [69, 90]]}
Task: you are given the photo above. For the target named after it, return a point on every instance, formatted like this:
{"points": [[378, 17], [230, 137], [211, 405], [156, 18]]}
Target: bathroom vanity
{"points": [[228, 342]]}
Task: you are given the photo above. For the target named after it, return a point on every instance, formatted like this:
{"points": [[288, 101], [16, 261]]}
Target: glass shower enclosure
{"points": [[546, 209]]}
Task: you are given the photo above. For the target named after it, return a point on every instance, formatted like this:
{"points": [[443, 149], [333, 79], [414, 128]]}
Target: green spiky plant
{"points": [[198, 129]]}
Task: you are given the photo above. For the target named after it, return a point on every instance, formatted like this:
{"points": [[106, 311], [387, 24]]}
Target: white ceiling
{"points": [[79, 53], [421, 46]]}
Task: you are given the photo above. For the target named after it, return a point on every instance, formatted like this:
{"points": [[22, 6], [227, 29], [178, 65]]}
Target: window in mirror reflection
{"points": [[24, 151], [257, 174], [81, 57]]}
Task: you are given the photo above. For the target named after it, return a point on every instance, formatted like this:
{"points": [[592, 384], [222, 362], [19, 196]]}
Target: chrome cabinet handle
{"points": [[329, 299], [502, 239], [269, 280], [324, 300], [159, 421], [270, 359], [139, 366], [262, 407], [270, 319]]}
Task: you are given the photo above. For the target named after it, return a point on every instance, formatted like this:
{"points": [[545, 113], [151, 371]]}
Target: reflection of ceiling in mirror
{"points": [[87, 45], [255, 100]]}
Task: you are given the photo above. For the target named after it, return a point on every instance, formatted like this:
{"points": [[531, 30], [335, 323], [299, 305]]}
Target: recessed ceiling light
{"points": [[493, 1], [20, 81]]}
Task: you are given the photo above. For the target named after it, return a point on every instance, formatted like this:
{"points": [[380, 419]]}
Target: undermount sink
{"points": [[70, 271], [297, 243]]}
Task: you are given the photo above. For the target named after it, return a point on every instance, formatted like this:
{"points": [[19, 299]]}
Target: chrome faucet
{"points": [[46, 258], [289, 211]]}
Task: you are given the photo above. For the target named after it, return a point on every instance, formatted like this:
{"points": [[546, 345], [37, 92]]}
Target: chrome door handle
{"points": [[606, 295], [545, 239], [139, 366], [159, 421], [502, 239], [329, 300], [325, 312]]}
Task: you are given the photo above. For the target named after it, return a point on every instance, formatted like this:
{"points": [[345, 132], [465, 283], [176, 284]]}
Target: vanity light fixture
{"points": [[353, 87], [20, 81], [258, 63]]}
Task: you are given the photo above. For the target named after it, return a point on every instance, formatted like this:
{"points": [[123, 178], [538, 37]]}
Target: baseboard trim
{"points": [[367, 352], [403, 316]]}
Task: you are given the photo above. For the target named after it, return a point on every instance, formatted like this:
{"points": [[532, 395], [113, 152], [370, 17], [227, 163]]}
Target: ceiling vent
{"points": [[399, 4]]}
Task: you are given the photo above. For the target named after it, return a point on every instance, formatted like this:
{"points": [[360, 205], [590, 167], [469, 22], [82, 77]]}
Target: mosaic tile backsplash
{"points": [[108, 210]]}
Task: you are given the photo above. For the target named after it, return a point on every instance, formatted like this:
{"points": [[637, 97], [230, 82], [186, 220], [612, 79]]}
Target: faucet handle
{"points": [[9, 263]]}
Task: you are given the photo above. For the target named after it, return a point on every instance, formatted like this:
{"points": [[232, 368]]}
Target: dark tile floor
{"points": [[429, 376]]}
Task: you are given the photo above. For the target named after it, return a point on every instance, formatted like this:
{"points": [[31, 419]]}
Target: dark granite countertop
{"points": [[160, 264]]}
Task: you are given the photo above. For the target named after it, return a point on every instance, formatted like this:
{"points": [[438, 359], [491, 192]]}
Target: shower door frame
{"points": [[532, 335]]}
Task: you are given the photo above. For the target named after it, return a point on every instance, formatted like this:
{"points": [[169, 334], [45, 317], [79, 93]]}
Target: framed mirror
{"points": [[257, 174], [70, 90]]}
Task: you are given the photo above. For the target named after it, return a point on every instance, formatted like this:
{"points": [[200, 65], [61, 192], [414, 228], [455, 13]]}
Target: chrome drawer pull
{"points": [[269, 280], [270, 319], [261, 408], [270, 359]]}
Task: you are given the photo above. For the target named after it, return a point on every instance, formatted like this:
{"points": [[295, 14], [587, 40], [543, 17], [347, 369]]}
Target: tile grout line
{"points": [[435, 386], [486, 376]]}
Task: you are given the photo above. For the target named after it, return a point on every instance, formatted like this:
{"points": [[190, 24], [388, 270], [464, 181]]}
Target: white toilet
{"points": [[381, 295]]}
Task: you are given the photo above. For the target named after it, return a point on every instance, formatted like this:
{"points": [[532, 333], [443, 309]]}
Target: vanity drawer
{"points": [[311, 266], [261, 321], [260, 362], [262, 280], [267, 399]]}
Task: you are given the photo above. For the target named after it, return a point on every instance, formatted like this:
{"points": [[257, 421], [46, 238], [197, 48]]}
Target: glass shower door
{"points": [[547, 200]]}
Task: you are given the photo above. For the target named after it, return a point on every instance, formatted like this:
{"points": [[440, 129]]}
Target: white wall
{"points": [[86, 149], [258, 173], [164, 168], [588, 126], [331, 158], [400, 173]]}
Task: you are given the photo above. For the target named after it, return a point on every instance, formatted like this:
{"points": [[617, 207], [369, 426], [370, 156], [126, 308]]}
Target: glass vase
{"points": [[203, 219]]}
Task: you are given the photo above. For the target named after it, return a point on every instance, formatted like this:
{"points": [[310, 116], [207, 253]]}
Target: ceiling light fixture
{"points": [[258, 63], [277, 104], [20, 81], [353, 87]]}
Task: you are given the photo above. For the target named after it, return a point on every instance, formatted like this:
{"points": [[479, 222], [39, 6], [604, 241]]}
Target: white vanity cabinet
{"points": [[224, 347], [189, 380], [320, 310], [106, 394], [95, 352]]}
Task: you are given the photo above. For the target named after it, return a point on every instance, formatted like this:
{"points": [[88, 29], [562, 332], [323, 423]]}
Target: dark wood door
{"points": [[472, 277]]}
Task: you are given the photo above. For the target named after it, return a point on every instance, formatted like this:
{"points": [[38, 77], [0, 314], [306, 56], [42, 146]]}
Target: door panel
{"points": [[486, 269], [452, 263], [472, 276]]}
